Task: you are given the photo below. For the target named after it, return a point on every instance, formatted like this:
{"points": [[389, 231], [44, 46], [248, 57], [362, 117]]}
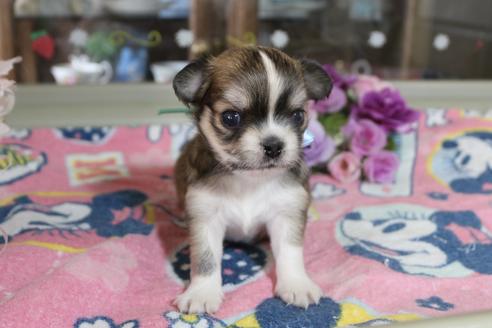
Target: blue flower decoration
{"points": [[273, 311], [434, 303], [240, 262], [104, 322], [176, 319], [438, 195]]}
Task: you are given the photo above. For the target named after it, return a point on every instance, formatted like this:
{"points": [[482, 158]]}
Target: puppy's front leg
{"points": [[204, 294], [294, 286]]}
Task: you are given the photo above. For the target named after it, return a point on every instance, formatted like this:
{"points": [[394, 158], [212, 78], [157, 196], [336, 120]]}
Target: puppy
{"points": [[244, 174]]}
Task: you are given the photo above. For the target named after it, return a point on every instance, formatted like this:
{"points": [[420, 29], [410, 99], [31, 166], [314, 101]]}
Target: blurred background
{"points": [[71, 42]]}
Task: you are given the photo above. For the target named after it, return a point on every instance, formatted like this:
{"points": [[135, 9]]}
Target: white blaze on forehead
{"points": [[275, 83], [272, 128]]}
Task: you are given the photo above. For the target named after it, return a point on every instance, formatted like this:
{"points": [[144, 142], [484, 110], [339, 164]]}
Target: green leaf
{"points": [[333, 123], [352, 96], [173, 111], [99, 47], [38, 34], [391, 145]]}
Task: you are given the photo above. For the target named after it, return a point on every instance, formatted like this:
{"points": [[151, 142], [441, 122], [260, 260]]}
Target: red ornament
{"points": [[44, 46]]}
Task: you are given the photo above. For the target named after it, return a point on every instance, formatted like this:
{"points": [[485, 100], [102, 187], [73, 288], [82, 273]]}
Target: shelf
{"points": [[113, 104]]}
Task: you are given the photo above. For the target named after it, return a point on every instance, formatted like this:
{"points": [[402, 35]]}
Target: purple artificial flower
{"points": [[331, 104], [387, 109], [367, 138], [381, 167], [322, 147], [342, 81]]}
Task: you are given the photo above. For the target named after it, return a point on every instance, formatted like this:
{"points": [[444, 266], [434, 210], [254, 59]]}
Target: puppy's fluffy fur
{"points": [[243, 174]]}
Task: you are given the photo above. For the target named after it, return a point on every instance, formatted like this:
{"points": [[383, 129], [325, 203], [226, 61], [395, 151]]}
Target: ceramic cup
{"points": [[82, 73], [92, 72], [165, 71], [65, 74]]}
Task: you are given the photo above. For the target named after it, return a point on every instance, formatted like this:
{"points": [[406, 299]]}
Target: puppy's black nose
{"points": [[273, 147]]}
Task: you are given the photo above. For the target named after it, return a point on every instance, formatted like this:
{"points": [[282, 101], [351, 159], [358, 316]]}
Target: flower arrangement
{"points": [[7, 95], [353, 129]]}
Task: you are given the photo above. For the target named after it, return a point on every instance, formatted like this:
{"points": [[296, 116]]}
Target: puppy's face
{"points": [[250, 105]]}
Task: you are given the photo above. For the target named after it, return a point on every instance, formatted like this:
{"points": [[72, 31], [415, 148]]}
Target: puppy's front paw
{"points": [[199, 298], [299, 291]]}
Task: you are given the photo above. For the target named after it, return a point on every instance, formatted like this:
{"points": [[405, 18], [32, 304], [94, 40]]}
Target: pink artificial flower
{"points": [[345, 167], [381, 167], [366, 137], [366, 83], [331, 104]]}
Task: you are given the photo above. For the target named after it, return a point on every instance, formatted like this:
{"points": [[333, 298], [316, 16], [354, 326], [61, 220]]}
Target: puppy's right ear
{"points": [[191, 83]]}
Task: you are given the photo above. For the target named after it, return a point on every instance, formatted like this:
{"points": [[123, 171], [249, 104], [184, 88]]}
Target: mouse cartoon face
{"points": [[417, 240], [472, 155], [110, 214], [465, 162]]}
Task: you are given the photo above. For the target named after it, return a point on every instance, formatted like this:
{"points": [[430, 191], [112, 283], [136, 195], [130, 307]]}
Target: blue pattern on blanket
{"points": [[72, 217], [91, 135], [435, 303], [273, 311], [104, 322], [240, 263]]}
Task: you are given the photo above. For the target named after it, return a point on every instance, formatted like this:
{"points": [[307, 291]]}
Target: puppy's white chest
{"points": [[245, 201], [252, 199]]}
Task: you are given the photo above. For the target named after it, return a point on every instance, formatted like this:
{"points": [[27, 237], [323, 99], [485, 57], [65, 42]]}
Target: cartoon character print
{"points": [[86, 135], [18, 162], [240, 263], [418, 240], [202, 320], [464, 163], [104, 322], [99, 215], [273, 312], [19, 134], [323, 191], [435, 303], [436, 117]]}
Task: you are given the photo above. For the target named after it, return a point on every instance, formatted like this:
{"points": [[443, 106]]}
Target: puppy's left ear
{"points": [[318, 83]]}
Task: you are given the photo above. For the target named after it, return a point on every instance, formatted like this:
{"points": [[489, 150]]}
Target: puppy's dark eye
{"points": [[298, 117], [231, 119]]}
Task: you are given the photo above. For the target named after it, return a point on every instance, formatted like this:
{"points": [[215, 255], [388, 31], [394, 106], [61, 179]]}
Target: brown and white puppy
{"points": [[244, 171]]}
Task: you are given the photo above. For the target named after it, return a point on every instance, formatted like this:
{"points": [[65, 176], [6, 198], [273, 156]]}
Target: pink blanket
{"points": [[94, 236]]}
